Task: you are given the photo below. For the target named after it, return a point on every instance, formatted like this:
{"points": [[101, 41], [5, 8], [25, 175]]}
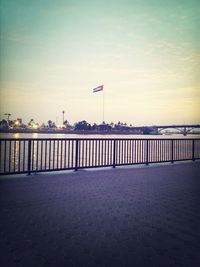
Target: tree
{"points": [[50, 124], [66, 123], [4, 124], [82, 126]]}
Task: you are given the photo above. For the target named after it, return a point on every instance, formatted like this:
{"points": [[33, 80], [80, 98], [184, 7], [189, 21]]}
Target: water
{"points": [[58, 135]]}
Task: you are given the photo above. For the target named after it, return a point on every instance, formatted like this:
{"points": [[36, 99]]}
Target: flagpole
{"points": [[103, 106]]}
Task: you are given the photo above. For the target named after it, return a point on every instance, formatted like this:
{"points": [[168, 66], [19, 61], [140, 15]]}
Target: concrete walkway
{"points": [[126, 217]]}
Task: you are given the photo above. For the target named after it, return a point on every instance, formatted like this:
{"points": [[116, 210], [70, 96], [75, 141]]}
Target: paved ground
{"points": [[125, 217]]}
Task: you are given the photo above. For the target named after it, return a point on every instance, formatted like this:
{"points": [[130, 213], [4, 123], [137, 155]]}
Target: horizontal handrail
{"points": [[27, 155]]}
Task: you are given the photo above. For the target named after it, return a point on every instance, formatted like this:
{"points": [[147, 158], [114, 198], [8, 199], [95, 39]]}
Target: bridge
{"points": [[183, 129]]}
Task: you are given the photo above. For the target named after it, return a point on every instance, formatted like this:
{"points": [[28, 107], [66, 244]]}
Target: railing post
{"points": [[29, 157], [193, 158], [147, 152], [76, 155], [172, 151], [114, 154]]}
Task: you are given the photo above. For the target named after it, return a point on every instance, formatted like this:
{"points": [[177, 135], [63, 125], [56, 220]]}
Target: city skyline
{"points": [[145, 53]]}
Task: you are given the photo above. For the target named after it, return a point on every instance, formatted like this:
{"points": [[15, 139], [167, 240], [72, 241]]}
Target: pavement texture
{"points": [[125, 217]]}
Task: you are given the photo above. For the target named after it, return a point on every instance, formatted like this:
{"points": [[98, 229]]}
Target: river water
{"points": [[58, 135]]}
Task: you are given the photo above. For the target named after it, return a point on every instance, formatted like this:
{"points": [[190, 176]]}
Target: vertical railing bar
{"points": [[114, 153], [33, 150], [58, 147], [24, 155], [80, 155], [37, 155], [161, 150], [135, 148], [99, 152], [102, 152], [83, 152], [72, 147], [185, 156], [45, 155], [164, 156], [150, 150], [141, 151], [77, 155], [96, 152], [5, 154], [89, 158], [53, 154], [147, 152], [65, 154], [132, 160], [0, 154], [9, 157], [61, 153], [19, 156], [132, 146], [120, 148], [93, 152], [86, 153], [122, 151], [49, 154], [108, 152], [193, 147], [29, 156], [41, 154], [68, 154], [127, 152], [172, 151], [14, 153]]}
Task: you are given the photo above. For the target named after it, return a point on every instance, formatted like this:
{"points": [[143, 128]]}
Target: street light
{"points": [[63, 112]]}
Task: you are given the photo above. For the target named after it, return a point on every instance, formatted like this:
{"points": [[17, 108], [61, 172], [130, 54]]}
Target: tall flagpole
{"points": [[97, 89], [103, 106]]}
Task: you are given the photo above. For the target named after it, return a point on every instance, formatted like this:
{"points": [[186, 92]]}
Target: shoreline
{"points": [[73, 132]]}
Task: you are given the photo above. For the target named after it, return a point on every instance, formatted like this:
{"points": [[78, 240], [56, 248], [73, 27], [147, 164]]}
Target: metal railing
{"points": [[39, 155]]}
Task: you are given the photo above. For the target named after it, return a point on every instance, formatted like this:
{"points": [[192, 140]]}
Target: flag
{"points": [[97, 89]]}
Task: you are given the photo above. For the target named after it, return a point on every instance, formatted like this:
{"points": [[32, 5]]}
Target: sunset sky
{"points": [[145, 52]]}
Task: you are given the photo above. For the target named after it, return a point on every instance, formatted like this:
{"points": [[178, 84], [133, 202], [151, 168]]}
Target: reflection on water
{"points": [[59, 135], [35, 135], [17, 135]]}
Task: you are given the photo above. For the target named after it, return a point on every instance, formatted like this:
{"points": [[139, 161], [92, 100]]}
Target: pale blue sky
{"points": [[146, 53]]}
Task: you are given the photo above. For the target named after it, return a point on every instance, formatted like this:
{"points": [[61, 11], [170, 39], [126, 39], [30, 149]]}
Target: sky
{"points": [[146, 53]]}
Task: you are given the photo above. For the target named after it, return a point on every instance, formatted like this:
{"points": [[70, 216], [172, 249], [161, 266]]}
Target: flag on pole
{"points": [[97, 89]]}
